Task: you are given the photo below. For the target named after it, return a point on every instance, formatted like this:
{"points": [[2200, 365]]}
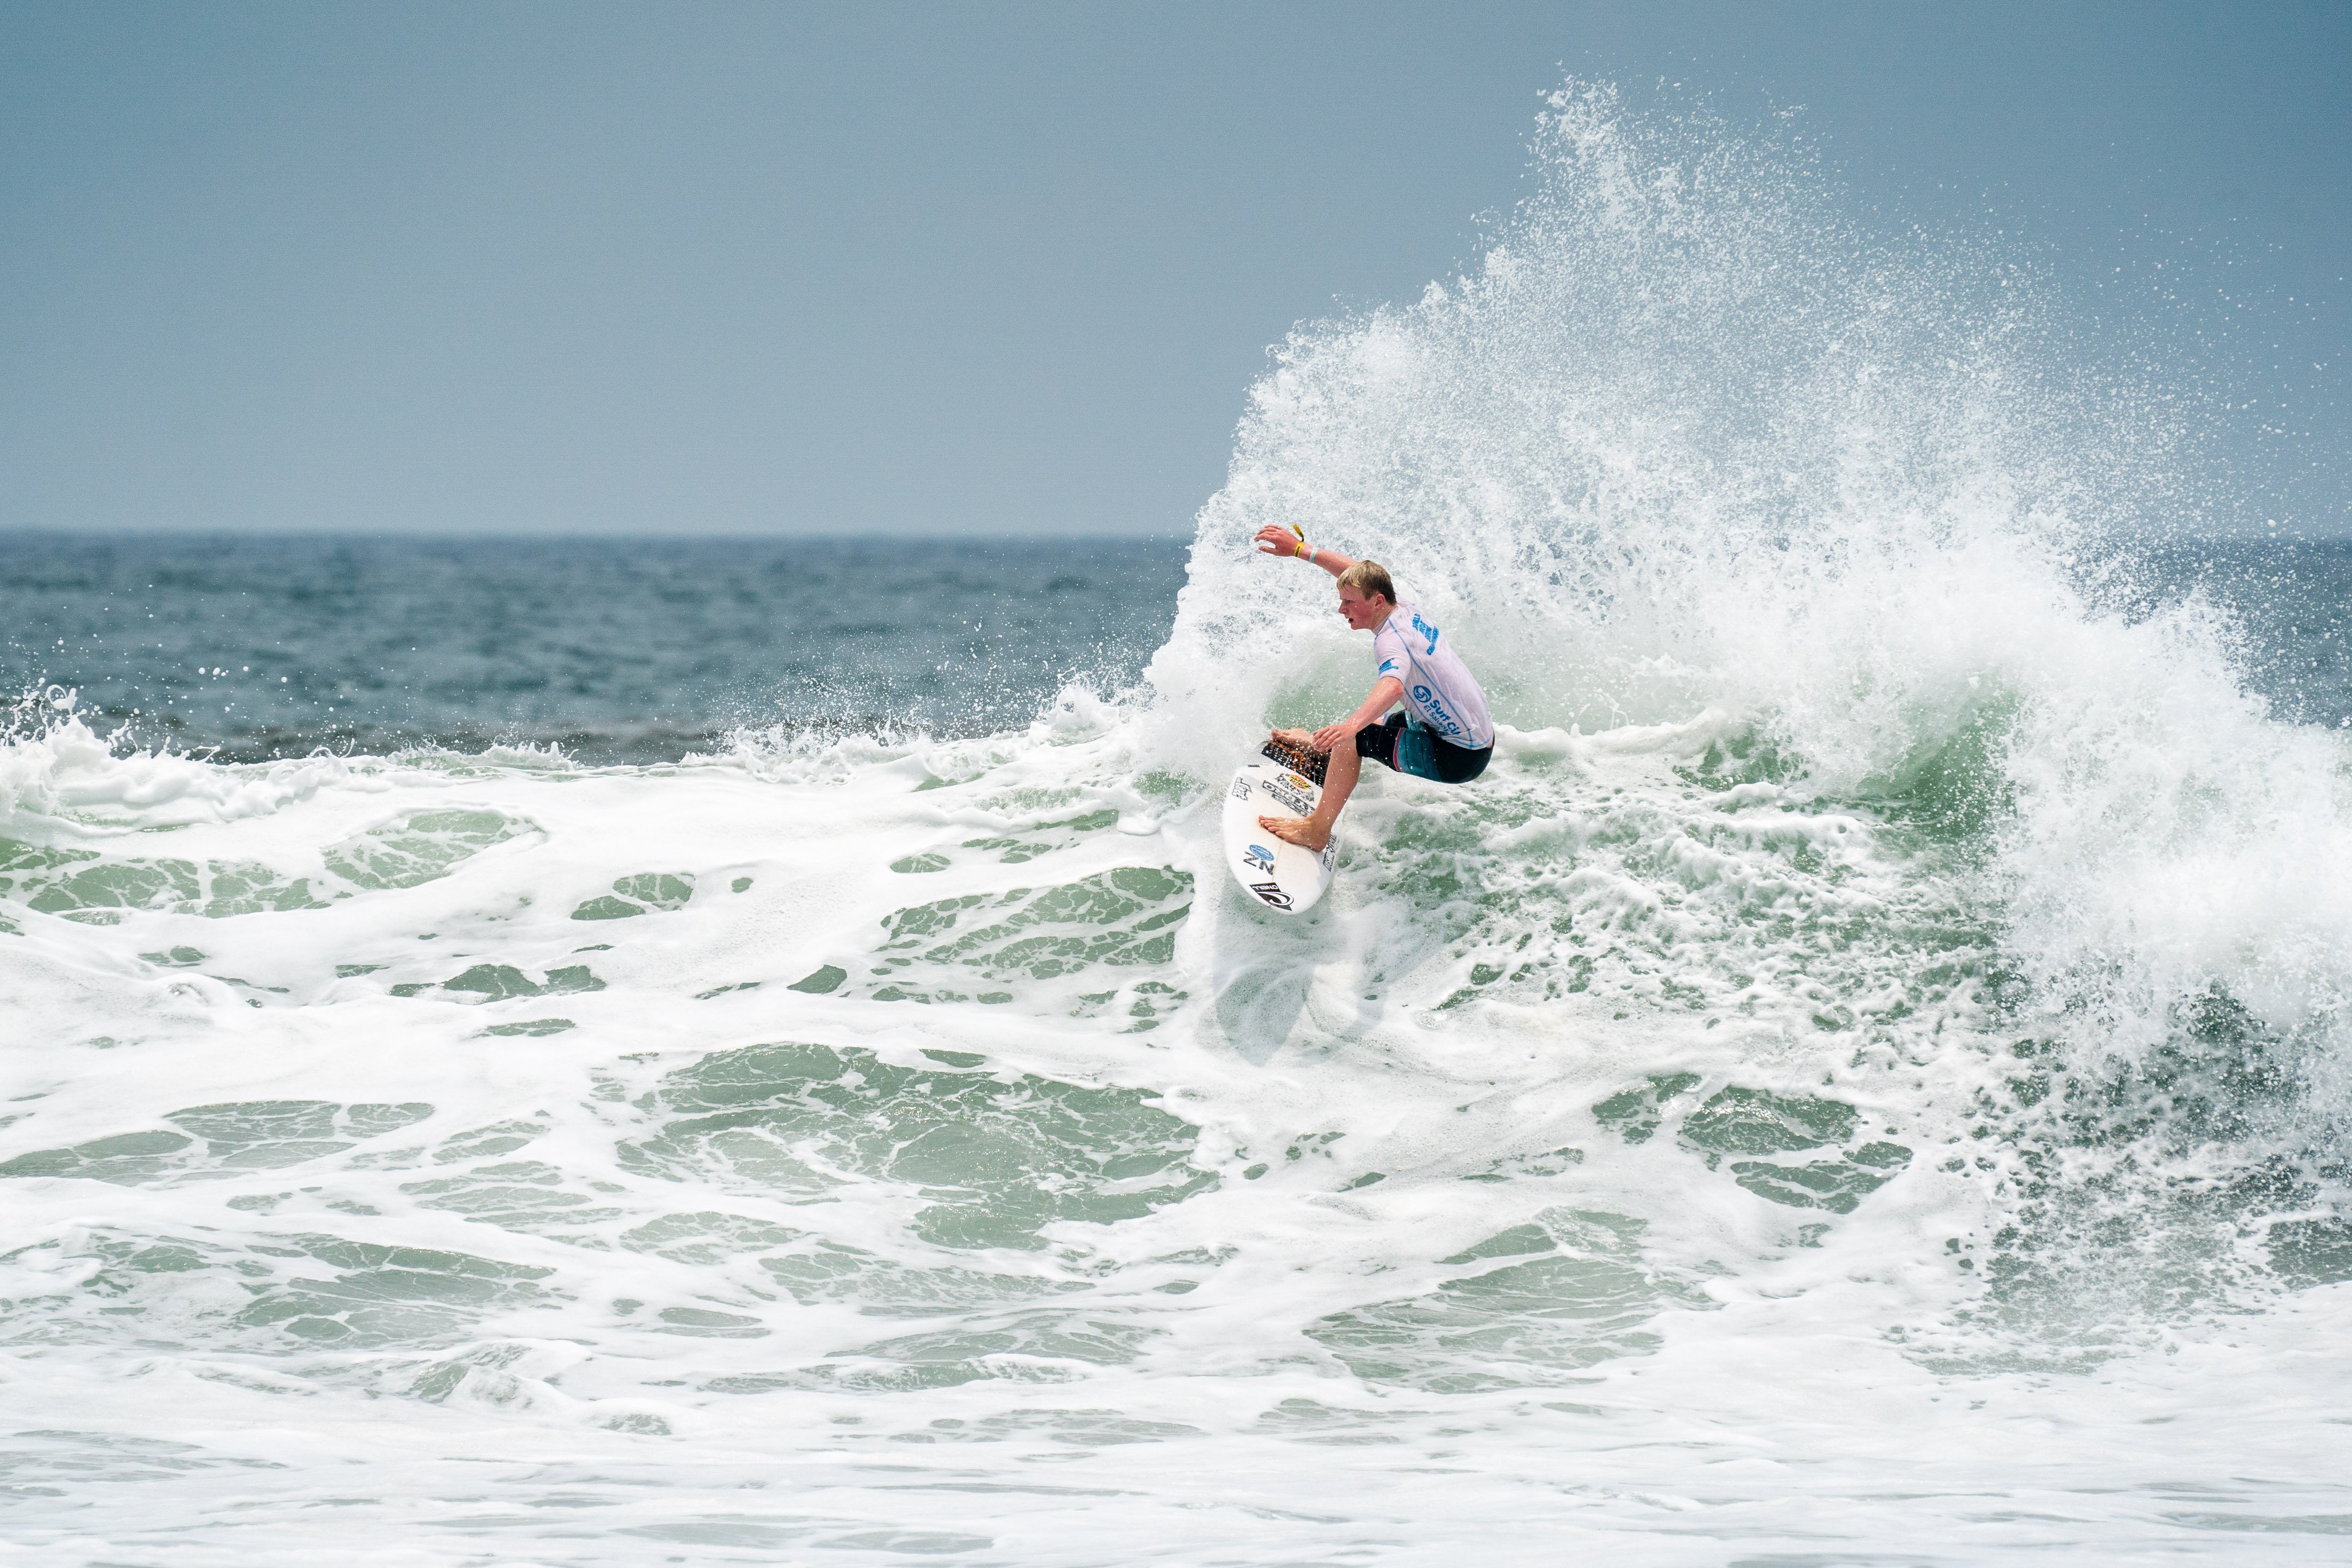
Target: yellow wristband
{"points": [[1304, 552]]}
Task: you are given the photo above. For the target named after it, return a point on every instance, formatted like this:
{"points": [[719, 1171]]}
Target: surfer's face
{"points": [[1361, 614]]}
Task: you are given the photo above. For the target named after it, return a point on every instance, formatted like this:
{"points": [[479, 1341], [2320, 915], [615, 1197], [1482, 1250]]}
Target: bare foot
{"points": [[1295, 737], [1303, 831]]}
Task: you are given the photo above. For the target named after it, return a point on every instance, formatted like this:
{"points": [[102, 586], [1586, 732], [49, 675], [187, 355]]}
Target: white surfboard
{"points": [[1280, 876]]}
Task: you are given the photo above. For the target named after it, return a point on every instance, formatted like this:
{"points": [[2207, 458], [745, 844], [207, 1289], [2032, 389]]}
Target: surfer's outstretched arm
{"points": [[1346, 767], [1276, 540]]}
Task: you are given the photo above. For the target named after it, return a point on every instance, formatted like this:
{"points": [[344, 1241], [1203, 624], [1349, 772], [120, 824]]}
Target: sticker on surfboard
{"points": [[1280, 780]]}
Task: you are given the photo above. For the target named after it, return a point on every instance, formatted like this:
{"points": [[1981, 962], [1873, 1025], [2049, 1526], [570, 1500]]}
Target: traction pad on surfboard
{"points": [[1303, 760]]}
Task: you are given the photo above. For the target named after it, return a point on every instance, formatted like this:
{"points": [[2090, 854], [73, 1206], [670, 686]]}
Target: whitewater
{"points": [[1861, 1078]]}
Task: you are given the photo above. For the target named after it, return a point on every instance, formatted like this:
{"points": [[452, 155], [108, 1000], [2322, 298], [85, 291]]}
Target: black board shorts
{"points": [[1410, 748]]}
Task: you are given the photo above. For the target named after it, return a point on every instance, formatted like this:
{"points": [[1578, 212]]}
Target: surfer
{"points": [[1444, 733]]}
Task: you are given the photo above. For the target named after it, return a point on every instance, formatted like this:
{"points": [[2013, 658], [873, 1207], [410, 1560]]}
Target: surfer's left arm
{"points": [[1387, 693], [1276, 540]]}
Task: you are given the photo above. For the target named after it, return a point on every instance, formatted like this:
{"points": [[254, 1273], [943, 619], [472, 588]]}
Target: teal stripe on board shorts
{"points": [[1409, 746]]}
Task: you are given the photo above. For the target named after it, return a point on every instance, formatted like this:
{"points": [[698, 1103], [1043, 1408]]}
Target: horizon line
{"points": [[1097, 536], [873, 536]]}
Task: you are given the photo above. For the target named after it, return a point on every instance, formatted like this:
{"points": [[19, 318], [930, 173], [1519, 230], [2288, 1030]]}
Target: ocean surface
{"points": [[586, 1052], [243, 650]]}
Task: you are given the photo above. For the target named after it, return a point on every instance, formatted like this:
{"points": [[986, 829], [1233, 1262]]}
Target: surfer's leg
{"points": [[1345, 765]]}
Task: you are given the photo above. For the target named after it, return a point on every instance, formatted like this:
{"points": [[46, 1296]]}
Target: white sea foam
{"points": [[1853, 1080]]}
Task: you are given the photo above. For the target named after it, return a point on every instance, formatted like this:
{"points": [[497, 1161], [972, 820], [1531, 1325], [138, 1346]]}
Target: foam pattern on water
{"points": [[994, 1160], [1574, 1292]]}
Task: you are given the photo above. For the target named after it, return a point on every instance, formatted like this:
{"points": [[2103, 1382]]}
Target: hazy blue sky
{"points": [[732, 268]]}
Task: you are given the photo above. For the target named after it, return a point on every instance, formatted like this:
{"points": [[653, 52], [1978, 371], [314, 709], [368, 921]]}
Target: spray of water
{"points": [[1693, 440]]}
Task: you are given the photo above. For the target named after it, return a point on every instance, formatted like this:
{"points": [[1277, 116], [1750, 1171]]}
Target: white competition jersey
{"points": [[1438, 687]]}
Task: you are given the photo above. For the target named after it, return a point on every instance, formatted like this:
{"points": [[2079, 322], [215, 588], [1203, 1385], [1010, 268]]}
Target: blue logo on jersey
{"points": [[1425, 630], [1436, 710]]}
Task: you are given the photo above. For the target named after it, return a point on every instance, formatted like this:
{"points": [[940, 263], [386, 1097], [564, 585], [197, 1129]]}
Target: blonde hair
{"points": [[1371, 579]]}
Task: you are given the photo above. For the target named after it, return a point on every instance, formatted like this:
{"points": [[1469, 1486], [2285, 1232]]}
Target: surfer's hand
{"points": [[1276, 540], [1331, 737]]}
